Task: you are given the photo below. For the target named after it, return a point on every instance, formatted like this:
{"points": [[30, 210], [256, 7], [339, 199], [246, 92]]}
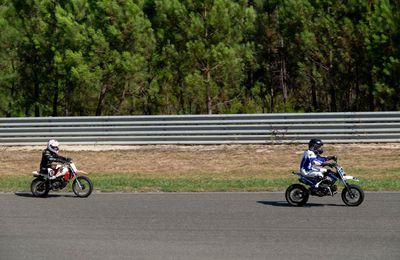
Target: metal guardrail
{"points": [[348, 127]]}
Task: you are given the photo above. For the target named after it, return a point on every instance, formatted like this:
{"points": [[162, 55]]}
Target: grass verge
{"points": [[205, 168], [137, 182]]}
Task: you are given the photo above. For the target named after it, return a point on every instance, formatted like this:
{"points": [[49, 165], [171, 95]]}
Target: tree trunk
{"points": [[36, 96], [208, 70], [55, 101], [331, 87], [100, 105], [209, 101], [272, 97], [314, 95], [282, 74]]}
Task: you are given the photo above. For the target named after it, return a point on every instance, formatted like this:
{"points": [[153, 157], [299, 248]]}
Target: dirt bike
{"points": [[298, 194], [82, 186]]}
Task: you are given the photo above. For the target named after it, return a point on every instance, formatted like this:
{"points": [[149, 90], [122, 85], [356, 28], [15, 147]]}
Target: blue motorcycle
{"points": [[298, 194]]}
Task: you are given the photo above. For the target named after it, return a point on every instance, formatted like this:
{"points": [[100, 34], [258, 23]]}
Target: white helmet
{"points": [[53, 145]]}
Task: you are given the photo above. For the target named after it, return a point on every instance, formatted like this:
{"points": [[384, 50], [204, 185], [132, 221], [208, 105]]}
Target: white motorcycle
{"points": [[298, 194], [82, 186]]}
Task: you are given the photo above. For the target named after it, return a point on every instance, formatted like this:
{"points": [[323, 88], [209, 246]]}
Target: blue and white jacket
{"points": [[310, 162]]}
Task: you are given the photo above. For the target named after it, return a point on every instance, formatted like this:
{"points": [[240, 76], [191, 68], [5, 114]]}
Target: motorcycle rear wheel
{"points": [[39, 188], [352, 195], [84, 188], [297, 195]]}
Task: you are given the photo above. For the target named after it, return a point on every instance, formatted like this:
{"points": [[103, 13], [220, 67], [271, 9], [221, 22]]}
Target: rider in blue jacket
{"points": [[312, 162]]}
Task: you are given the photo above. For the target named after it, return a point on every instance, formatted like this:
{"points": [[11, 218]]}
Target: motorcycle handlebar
{"points": [[330, 164], [333, 158]]}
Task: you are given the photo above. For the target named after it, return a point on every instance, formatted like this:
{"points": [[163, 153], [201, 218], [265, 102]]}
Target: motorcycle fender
{"points": [[347, 177], [66, 176]]}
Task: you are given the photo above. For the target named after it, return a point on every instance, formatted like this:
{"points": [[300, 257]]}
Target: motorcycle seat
{"points": [[302, 175], [37, 174]]}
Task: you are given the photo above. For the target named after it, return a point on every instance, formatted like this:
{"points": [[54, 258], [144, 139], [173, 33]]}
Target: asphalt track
{"points": [[197, 226]]}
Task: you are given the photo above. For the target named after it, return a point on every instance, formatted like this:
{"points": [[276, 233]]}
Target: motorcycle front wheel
{"points": [[297, 195], [39, 188], [352, 195], [82, 186]]}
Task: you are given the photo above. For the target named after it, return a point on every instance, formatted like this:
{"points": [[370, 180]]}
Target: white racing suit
{"points": [[309, 164]]}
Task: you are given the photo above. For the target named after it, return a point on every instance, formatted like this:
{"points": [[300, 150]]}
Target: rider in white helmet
{"points": [[50, 156]]}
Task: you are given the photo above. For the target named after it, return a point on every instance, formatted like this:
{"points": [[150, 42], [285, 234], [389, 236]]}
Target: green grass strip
{"points": [[136, 182]]}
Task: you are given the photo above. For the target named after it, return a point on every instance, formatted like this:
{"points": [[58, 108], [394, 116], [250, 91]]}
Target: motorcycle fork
{"points": [[79, 183], [348, 190]]}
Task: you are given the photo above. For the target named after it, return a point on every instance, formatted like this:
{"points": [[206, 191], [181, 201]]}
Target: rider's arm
{"points": [[318, 161], [61, 159], [55, 158], [326, 159]]}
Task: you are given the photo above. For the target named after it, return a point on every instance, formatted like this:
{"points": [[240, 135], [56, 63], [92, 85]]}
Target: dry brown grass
{"points": [[214, 161]]}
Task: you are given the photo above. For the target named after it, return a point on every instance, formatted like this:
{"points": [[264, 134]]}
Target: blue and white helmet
{"points": [[53, 146]]}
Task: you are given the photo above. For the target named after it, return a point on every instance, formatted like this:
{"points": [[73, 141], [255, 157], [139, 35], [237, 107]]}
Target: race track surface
{"points": [[197, 226]]}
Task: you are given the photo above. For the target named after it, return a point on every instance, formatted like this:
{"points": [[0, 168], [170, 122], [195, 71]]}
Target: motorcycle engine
{"points": [[324, 190], [58, 184]]}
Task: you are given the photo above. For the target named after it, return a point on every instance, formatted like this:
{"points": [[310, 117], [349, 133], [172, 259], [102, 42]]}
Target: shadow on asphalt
{"points": [[29, 195], [285, 204]]}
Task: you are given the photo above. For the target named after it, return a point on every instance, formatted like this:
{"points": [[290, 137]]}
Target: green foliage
{"points": [[112, 57], [9, 38], [383, 43]]}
